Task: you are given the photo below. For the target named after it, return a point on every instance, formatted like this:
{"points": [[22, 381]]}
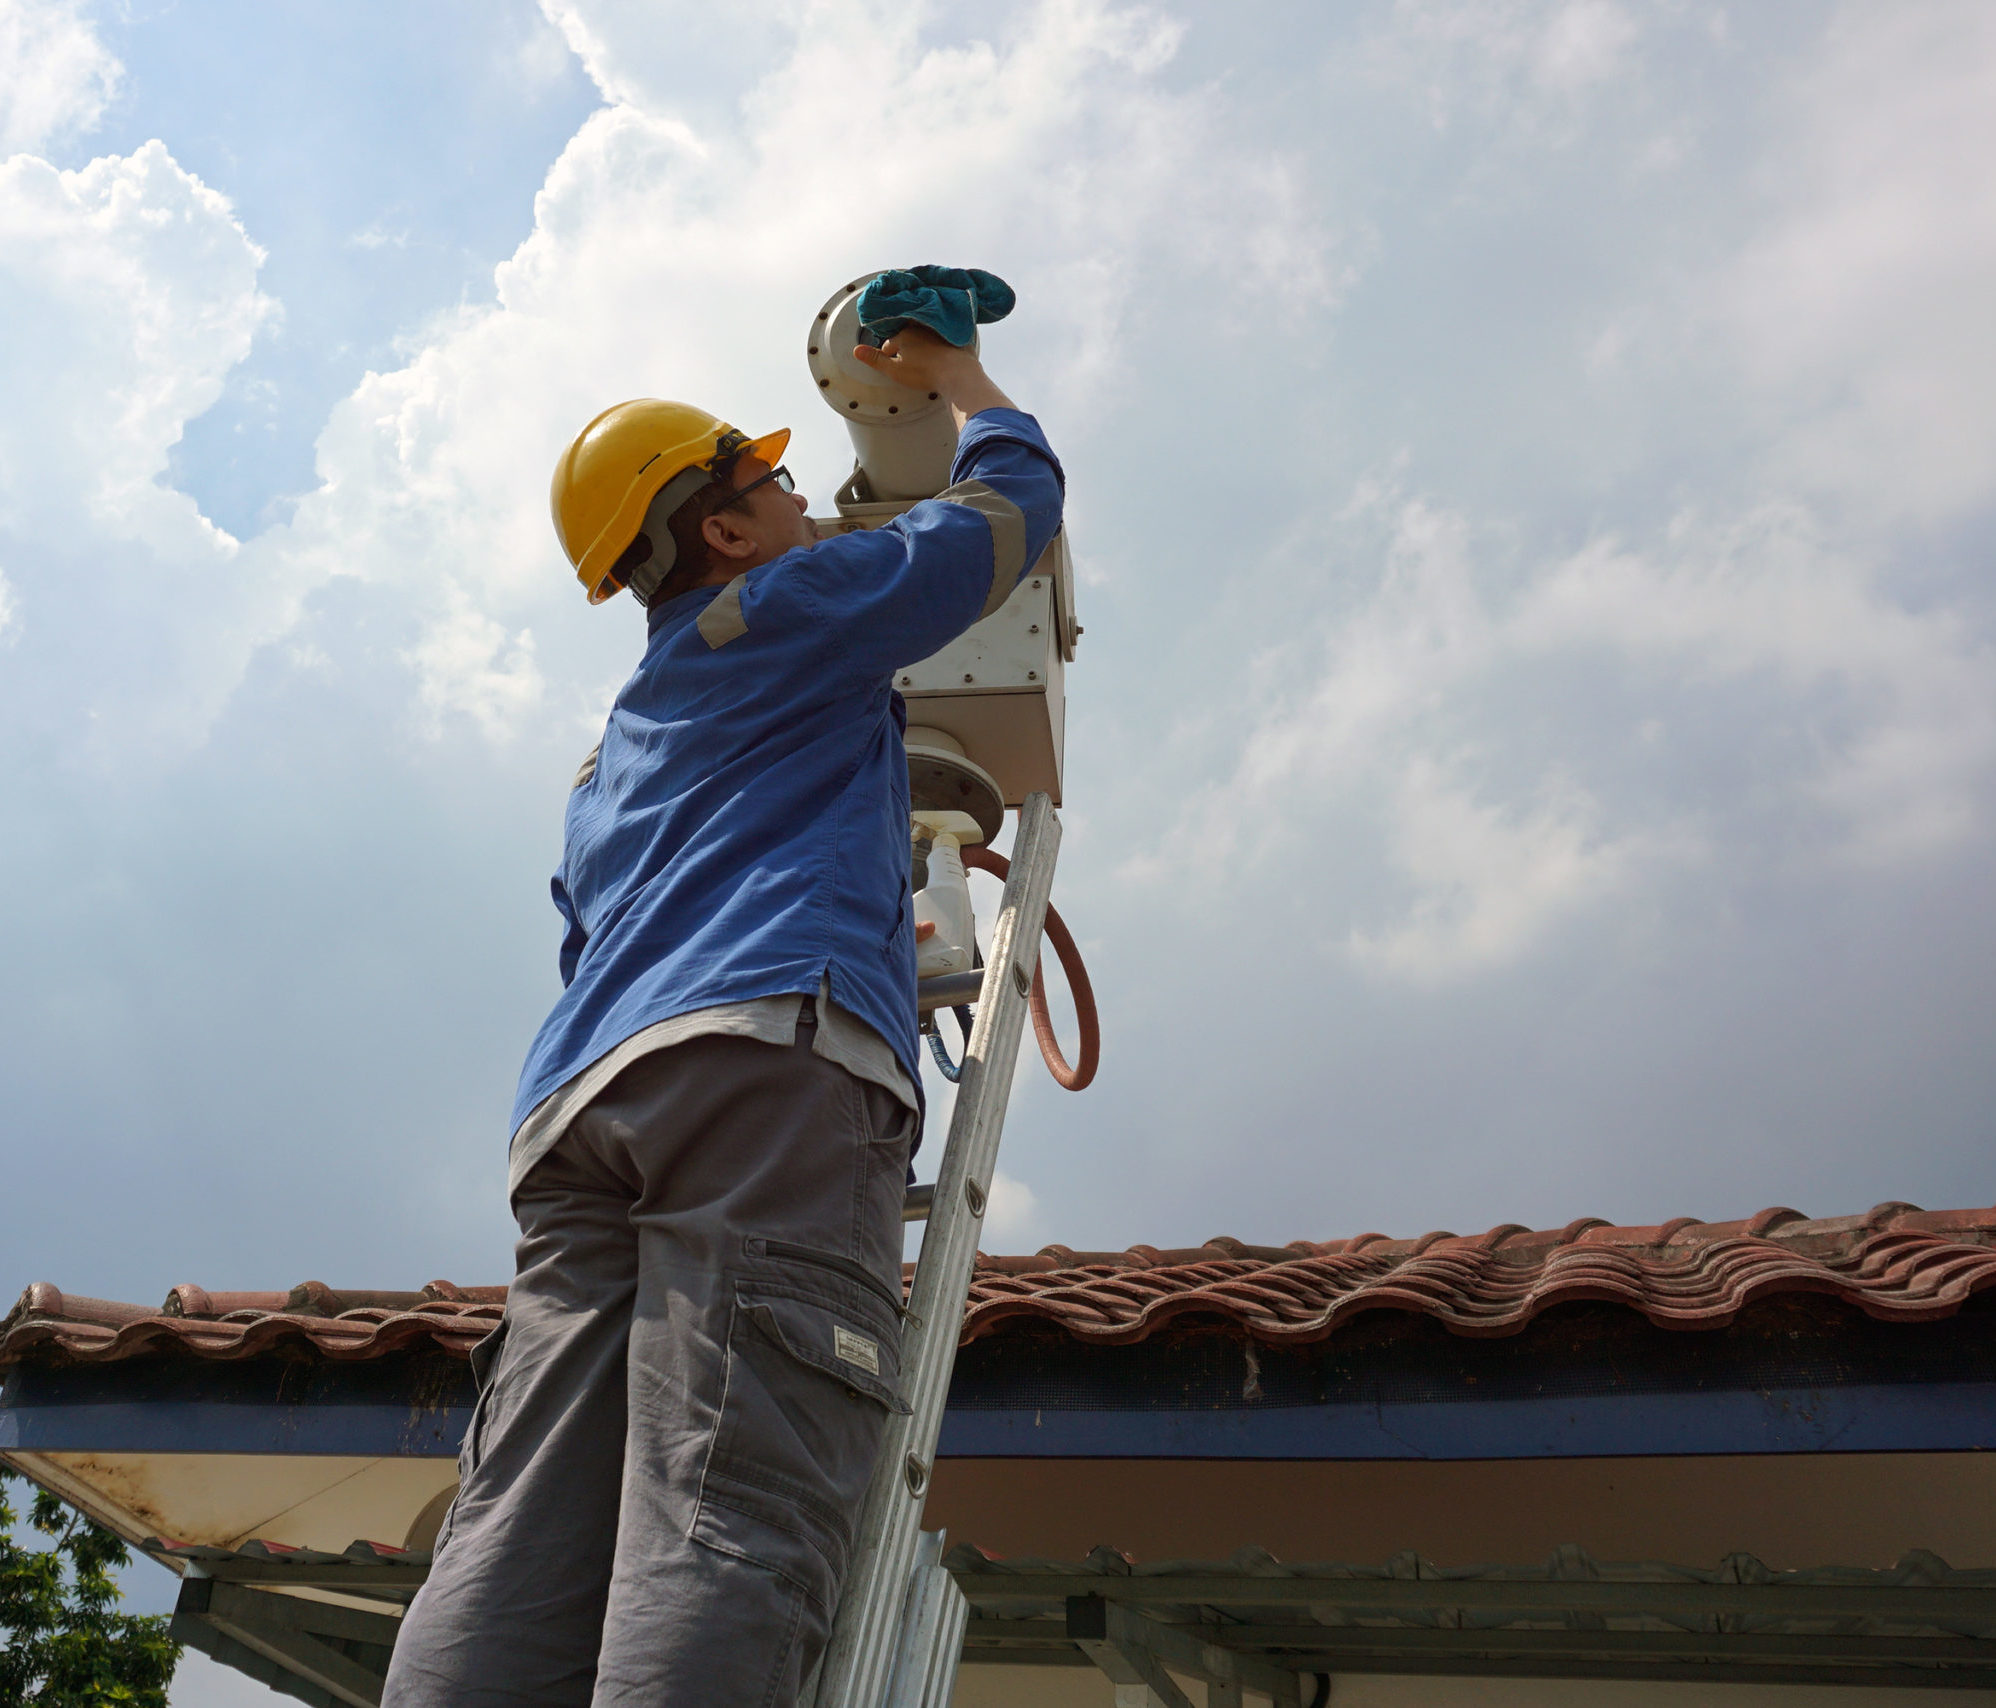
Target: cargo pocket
{"points": [[484, 1361], [812, 1373]]}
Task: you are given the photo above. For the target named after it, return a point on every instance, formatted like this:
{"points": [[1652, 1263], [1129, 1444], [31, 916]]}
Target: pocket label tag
{"points": [[856, 1349]]}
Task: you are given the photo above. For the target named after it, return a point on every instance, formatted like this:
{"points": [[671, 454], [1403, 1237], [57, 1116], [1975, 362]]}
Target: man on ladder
{"points": [[680, 1413]]}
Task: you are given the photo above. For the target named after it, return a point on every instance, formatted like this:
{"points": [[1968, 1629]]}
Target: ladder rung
{"points": [[949, 990], [946, 990]]}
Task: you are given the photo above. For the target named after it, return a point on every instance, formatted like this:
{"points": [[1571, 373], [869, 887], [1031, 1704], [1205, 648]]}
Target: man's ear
{"points": [[724, 536]]}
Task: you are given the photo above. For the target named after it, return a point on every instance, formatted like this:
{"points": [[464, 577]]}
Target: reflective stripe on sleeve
{"points": [[723, 621], [1008, 536], [587, 769]]}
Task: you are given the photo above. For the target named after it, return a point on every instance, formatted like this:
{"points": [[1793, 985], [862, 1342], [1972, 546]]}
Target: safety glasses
{"points": [[781, 476]]}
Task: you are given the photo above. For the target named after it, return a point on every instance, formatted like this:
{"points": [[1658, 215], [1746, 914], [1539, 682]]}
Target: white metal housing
{"points": [[1000, 687], [904, 439]]}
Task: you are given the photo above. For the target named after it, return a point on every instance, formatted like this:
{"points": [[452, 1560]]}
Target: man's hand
{"points": [[924, 930], [916, 358]]}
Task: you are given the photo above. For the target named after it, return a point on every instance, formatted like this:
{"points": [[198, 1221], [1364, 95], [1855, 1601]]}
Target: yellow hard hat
{"points": [[627, 471]]}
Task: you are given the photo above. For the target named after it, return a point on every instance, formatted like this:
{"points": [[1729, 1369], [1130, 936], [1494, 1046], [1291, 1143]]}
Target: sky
{"points": [[1532, 475]]}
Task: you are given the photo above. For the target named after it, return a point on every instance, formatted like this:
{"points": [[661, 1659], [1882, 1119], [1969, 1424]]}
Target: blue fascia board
{"points": [[197, 1426], [1884, 1418], [1890, 1418]]}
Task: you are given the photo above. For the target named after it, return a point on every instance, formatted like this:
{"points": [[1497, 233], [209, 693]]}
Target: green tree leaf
{"points": [[61, 1643]]}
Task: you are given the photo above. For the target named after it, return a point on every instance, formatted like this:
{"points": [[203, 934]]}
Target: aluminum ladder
{"points": [[898, 1635]]}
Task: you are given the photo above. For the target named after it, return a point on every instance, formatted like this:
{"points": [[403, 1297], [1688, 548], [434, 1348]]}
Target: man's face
{"points": [[767, 521]]}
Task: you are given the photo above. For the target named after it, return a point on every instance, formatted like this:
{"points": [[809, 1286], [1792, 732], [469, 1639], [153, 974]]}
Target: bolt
{"points": [[973, 1195], [1036, 584], [852, 406], [968, 677], [934, 395], [916, 1472], [906, 681], [1035, 629], [812, 351], [824, 382], [825, 314], [894, 409], [1032, 675]]}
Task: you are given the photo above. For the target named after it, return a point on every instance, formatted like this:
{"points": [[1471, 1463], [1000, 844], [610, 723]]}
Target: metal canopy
{"points": [[1251, 1623], [1252, 1620], [321, 1653]]}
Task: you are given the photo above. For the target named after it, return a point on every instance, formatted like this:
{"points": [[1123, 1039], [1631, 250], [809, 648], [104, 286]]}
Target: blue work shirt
{"points": [[745, 830]]}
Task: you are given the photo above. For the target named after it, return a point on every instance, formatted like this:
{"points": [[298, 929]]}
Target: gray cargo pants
{"points": [[684, 1402]]}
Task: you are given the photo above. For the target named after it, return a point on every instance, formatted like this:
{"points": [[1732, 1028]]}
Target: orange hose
{"points": [[1068, 1078]]}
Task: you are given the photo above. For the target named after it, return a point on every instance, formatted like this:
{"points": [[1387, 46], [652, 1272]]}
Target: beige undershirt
{"points": [[842, 1037]]}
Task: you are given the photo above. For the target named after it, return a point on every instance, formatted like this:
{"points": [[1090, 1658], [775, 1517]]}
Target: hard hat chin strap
{"points": [[648, 574]]}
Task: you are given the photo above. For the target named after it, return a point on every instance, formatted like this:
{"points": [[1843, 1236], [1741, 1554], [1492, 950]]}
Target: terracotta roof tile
{"points": [[242, 1325], [1897, 1263]]}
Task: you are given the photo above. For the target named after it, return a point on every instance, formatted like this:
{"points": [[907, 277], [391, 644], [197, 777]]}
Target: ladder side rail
{"points": [[861, 1652], [931, 1631]]}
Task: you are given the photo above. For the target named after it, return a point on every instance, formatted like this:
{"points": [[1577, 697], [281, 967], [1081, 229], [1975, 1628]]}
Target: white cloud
{"points": [[1012, 1217], [1528, 64], [1859, 309], [468, 664], [542, 54], [614, 43], [55, 75], [1489, 881], [1673, 830], [1495, 751], [141, 287], [1900, 702], [662, 264], [661, 260], [1581, 44]]}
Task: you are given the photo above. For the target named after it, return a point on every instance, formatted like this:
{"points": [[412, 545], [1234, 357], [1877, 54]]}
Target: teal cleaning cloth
{"points": [[950, 301]]}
